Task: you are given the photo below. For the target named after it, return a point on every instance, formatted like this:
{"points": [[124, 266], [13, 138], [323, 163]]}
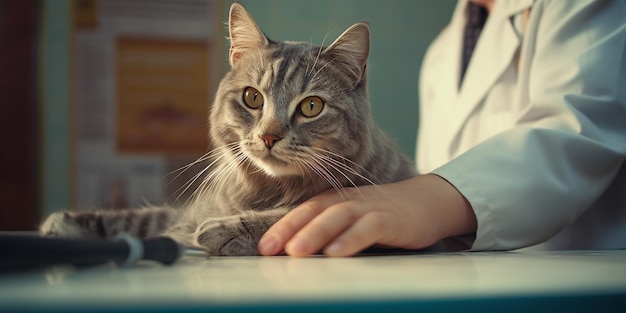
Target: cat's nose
{"points": [[269, 140]]}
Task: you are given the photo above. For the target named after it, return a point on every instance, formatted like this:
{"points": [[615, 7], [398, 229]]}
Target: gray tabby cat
{"points": [[289, 120]]}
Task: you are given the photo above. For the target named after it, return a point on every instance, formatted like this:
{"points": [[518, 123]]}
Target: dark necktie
{"points": [[476, 17]]}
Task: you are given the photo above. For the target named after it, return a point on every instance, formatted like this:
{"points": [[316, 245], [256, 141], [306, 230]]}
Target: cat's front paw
{"points": [[227, 236], [62, 224]]}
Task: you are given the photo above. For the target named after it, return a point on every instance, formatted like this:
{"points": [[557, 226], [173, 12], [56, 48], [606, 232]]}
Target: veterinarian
{"points": [[523, 147]]}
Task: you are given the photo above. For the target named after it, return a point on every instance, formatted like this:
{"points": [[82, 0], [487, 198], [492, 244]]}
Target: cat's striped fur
{"points": [[268, 159]]}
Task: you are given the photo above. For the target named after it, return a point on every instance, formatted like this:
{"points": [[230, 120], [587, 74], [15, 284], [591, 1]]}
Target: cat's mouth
{"points": [[273, 165], [271, 161], [276, 167]]}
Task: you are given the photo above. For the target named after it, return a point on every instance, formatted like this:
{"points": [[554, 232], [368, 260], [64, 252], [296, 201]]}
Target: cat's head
{"points": [[290, 108]]}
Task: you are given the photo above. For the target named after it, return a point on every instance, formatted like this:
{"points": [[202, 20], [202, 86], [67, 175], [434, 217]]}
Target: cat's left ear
{"points": [[245, 34], [351, 50]]}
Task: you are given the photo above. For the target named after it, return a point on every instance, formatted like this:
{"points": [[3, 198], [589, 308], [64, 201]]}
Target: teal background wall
{"points": [[401, 32], [55, 106]]}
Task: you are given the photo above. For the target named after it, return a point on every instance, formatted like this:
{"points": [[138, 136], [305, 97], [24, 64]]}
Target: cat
{"points": [[289, 120]]}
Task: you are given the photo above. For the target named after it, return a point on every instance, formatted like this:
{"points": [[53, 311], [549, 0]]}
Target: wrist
{"points": [[455, 214]]}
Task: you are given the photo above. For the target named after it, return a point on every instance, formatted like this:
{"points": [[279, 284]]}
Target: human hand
{"points": [[411, 214]]}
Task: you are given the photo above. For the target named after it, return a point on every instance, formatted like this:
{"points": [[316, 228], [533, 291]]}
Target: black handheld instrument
{"points": [[22, 251]]}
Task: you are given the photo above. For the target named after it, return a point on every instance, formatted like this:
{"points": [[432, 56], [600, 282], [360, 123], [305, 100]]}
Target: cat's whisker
{"points": [[190, 183], [209, 155], [181, 171], [325, 176], [222, 150], [303, 168], [236, 163], [232, 166], [319, 52], [346, 167], [206, 186], [208, 180], [361, 168], [247, 169], [185, 167], [217, 175], [222, 178], [260, 54], [203, 158], [324, 172], [198, 197], [325, 160], [320, 69]]}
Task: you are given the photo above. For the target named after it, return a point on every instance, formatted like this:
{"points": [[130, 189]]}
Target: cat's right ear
{"points": [[245, 34], [351, 50]]}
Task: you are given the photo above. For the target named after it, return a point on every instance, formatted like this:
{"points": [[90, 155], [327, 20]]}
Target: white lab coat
{"points": [[535, 138]]}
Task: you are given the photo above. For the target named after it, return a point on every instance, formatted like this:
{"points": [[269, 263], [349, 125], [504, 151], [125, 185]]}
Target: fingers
{"points": [[323, 229], [277, 236], [274, 240], [370, 229], [326, 221], [344, 229]]}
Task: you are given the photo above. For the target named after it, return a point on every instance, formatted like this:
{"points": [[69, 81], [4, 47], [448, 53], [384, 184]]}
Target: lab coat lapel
{"points": [[494, 52]]}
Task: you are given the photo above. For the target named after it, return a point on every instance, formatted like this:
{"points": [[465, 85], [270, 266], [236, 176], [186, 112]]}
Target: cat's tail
{"points": [[106, 224]]}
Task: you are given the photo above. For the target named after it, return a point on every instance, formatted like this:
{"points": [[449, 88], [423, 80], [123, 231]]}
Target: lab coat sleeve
{"points": [[529, 182]]}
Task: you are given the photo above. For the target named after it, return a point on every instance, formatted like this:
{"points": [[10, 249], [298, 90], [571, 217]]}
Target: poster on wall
{"points": [[142, 82], [161, 95]]}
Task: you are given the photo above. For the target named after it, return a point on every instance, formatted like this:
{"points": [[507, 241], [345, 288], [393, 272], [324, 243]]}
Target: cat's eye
{"points": [[311, 106], [253, 98]]}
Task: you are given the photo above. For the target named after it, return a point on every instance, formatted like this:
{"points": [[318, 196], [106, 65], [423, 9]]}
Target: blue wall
{"points": [[401, 32]]}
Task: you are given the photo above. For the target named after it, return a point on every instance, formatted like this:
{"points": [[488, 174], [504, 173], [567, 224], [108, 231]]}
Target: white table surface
{"points": [[229, 282]]}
